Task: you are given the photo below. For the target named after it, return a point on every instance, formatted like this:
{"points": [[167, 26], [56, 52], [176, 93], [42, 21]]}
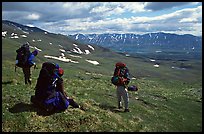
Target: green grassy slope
{"points": [[167, 100]]}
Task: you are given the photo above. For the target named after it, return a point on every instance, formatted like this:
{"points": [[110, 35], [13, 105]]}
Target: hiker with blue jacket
{"points": [[30, 63], [24, 60]]}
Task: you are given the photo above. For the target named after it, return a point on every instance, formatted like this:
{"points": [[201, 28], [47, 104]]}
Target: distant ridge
{"points": [[23, 27], [150, 40]]}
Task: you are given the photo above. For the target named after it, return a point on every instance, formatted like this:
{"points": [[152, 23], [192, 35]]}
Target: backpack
{"points": [[121, 72], [132, 88], [45, 89], [22, 56]]}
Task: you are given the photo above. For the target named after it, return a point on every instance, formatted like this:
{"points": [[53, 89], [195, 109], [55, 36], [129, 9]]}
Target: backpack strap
{"points": [[118, 73]]}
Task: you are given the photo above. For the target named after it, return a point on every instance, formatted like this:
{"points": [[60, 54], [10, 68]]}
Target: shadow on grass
{"points": [[6, 82], [24, 107], [109, 107]]}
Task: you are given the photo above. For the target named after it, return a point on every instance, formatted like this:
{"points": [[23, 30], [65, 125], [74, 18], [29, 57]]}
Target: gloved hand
{"points": [[35, 66]]}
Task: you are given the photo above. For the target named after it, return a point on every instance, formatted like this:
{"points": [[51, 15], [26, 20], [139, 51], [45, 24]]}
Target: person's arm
{"points": [[30, 60], [126, 79], [60, 87]]}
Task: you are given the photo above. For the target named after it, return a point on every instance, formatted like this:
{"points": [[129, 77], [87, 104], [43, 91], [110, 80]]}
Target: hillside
{"points": [[169, 99]]}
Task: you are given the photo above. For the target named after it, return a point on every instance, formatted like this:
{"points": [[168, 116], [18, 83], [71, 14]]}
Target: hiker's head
{"points": [[27, 43], [35, 52], [60, 71]]}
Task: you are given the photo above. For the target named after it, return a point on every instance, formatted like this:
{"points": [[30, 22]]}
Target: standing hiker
{"points": [[24, 59], [121, 80], [27, 68]]}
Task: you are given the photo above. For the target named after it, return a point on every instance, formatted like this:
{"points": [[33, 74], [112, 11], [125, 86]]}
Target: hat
{"points": [[27, 43], [57, 66], [60, 71]]}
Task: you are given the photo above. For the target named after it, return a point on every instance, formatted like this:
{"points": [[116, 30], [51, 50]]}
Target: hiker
{"points": [[24, 59], [121, 80], [27, 68], [49, 90]]}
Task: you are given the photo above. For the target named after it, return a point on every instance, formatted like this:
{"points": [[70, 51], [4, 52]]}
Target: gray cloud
{"points": [[154, 6], [16, 6], [96, 17], [48, 11]]}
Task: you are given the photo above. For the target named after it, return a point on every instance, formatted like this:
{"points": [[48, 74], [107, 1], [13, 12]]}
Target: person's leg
{"points": [[29, 75], [73, 103], [119, 97], [125, 98], [25, 75]]}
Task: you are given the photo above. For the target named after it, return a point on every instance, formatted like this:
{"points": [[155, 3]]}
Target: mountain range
{"points": [[130, 42], [146, 42]]}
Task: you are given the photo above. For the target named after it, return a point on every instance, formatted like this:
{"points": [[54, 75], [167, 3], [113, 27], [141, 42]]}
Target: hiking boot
{"points": [[81, 107], [26, 82], [126, 110], [120, 107], [29, 81], [32, 99]]}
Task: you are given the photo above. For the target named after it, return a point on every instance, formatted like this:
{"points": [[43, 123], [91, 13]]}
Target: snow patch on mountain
{"points": [[152, 60], [77, 36], [4, 33], [93, 62], [75, 56], [64, 59], [156, 65], [87, 52], [35, 48], [25, 32], [77, 50], [60, 46], [91, 47], [62, 55], [62, 50], [158, 51], [75, 45], [14, 36], [24, 36]]}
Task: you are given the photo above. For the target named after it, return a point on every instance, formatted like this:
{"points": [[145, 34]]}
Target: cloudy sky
{"points": [[107, 17]]}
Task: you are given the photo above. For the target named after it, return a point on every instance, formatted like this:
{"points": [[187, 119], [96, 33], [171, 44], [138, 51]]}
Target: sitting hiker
{"points": [[49, 90]]}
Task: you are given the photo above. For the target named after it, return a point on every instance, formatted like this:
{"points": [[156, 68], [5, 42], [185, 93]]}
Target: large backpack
{"points": [[46, 76], [121, 71], [45, 90], [22, 56]]}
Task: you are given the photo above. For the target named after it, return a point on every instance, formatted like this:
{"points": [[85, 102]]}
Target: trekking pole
{"points": [[132, 75], [15, 68]]}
